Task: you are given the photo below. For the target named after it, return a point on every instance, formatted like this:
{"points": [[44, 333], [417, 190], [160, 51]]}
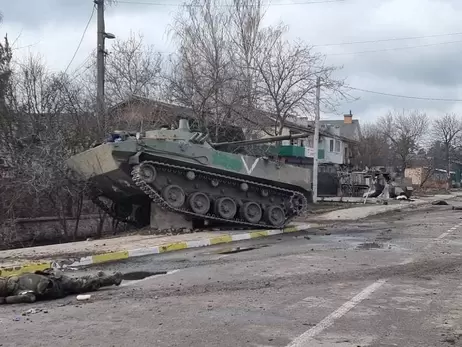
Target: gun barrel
{"points": [[262, 140]]}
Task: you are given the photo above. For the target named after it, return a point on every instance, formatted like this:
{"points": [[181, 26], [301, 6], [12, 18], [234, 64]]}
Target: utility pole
{"points": [[100, 52], [100, 64], [316, 140]]}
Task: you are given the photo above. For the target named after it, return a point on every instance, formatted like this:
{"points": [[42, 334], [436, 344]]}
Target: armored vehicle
{"points": [[182, 172]]}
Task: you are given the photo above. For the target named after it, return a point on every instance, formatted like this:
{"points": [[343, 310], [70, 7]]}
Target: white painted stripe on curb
{"points": [[82, 262], [275, 232], [240, 237], [198, 243], [304, 340], [140, 252]]}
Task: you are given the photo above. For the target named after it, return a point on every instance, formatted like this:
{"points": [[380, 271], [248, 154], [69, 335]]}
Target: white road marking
{"points": [[407, 261], [305, 339], [443, 235]]}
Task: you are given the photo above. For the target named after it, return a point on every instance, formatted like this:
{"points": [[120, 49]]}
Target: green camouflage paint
{"points": [[228, 161]]}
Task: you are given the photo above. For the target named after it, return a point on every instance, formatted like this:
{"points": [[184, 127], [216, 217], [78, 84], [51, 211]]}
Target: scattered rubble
{"points": [[34, 311], [369, 245]]}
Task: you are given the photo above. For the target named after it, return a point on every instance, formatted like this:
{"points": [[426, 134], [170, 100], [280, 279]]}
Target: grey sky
{"points": [[54, 27]]}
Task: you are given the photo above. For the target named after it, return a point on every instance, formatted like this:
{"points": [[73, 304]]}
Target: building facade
{"points": [[337, 143]]}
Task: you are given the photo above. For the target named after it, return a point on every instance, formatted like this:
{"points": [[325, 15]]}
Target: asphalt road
{"points": [[388, 281]]}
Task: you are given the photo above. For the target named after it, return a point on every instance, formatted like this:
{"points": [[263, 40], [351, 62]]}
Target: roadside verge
{"points": [[367, 210], [85, 253], [122, 254]]}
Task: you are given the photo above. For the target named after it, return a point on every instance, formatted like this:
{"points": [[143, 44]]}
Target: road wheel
{"points": [[174, 196], [199, 203], [225, 208], [148, 172], [275, 215], [251, 212]]}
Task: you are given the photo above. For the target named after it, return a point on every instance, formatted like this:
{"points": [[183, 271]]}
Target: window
{"points": [[302, 143], [337, 146], [293, 142], [331, 145]]}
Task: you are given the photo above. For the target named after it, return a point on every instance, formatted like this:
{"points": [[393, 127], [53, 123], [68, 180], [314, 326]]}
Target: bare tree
{"points": [[245, 36], [202, 76], [446, 130], [404, 130], [289, 72], [373, 150], [132, 68], [42, 109], [230, 68]]}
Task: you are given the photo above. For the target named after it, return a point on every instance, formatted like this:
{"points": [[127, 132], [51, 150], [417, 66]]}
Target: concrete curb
{"points": [[176, 246], [140, 252]]}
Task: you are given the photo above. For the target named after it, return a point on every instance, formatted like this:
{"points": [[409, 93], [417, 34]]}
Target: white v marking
{"points": [[249, 171]]}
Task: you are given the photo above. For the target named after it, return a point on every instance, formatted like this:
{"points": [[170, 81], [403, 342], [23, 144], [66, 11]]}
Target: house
{"points": [[337, 142]]}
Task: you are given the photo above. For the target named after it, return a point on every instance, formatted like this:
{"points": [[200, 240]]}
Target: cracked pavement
{"points": [[390, 280]]}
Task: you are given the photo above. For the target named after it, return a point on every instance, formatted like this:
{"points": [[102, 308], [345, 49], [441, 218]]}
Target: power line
{"points": [[405, 96], [271, 4], [81, 39], [75, 76], [87, 59], [23, 47], [387, 40], [396, 48]]}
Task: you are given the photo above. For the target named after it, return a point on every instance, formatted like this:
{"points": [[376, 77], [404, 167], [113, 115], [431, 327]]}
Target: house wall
{"points": [[336, 156], [414, 174], [417, 175], [335, 153]]}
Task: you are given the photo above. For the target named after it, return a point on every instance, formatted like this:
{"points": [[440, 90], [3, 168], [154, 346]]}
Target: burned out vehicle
{"points": [[384, 182], [182, 172]]}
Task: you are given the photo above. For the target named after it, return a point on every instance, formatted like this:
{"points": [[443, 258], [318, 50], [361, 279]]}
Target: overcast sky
{"points": [[433, 69]]}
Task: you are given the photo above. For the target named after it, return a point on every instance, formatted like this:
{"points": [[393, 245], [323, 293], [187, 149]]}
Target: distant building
{"points": [[428, 177], [337, 142]]}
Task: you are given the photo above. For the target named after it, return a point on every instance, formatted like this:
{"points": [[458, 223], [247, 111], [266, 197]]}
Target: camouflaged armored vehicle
{"points": [[183, 173]]}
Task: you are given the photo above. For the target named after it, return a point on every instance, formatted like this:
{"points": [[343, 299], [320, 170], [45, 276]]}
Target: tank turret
{"points": [[181, 172], [182, 134]]}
